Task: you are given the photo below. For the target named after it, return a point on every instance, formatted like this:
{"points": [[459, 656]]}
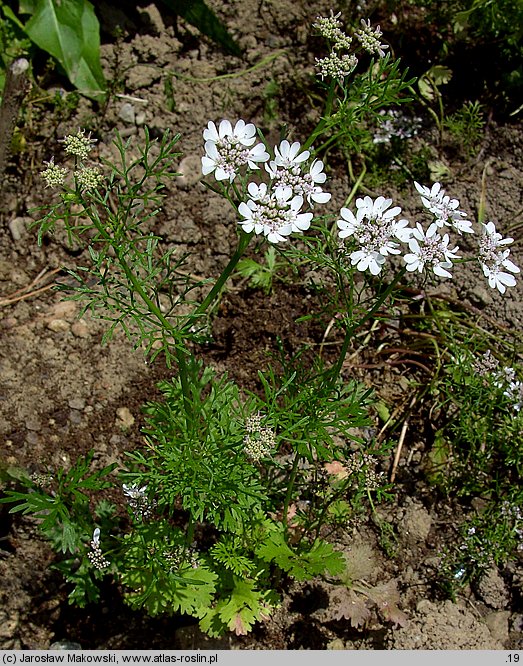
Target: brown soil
{"points": [[62, 393]]}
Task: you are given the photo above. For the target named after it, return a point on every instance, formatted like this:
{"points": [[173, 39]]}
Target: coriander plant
{"points": [[233, 490]]}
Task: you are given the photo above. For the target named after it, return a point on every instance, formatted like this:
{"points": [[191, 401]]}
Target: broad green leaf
{"points": [[440, 74], [70, 32], [436, 76], [202, 17]]}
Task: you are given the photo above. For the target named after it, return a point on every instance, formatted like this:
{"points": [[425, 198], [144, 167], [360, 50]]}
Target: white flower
{"points": [[96, 538], [494, 257], [95, 555], [133, 491], [432, 249], [514, 392], [336, 66], [288, 154], [444, 208], [369, 38], [499, 279], [491, 240], [275, 214], [286, 170], [365, 259], [227, 150], [504, 376], [78, 144], [54, 175], [376, 230], [244, 133], [428, 195]]}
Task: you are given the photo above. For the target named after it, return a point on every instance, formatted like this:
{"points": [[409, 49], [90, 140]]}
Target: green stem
{"points": [[288, 494], [335, 371], [220, 282], [318, 130], [189, 534], [181, 351]]}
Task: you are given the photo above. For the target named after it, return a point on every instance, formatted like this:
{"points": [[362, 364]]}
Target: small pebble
{"points": [[125, 418], [58, 325], [127, 113], [33, 423], [80, 329], [190, 170], [76, 403], [18, 227]]}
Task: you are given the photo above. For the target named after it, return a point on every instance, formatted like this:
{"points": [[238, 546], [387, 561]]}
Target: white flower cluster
{"points": [[86, 177], [494, 257], [227, 150], [176, 556], [378, 233], [95, 554], [286, 173], [486, 364], [512, 387], [330, 28], [141, 506], [54, 175], [78, 144], [444, 209], [369, 38], [259, 440], [336, 65], [273, 209], [394, 124], [430, 249], [89, 178], [376, 230]]}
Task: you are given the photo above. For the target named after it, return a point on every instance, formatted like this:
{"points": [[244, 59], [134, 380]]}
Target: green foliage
{"points": [[487, 538], [483, 32], [230, 553], [309, 412], [466, 125], [199, 14], [304, 562], [432, 80], [478, 453], [65, 513], [83, 579], [200, 460], [485, 431], [69, 31], [261, 276], [498, 22], [128, 276], [382, 85], [238, 610], [231, 491], [159, 574], [13, 41]]}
